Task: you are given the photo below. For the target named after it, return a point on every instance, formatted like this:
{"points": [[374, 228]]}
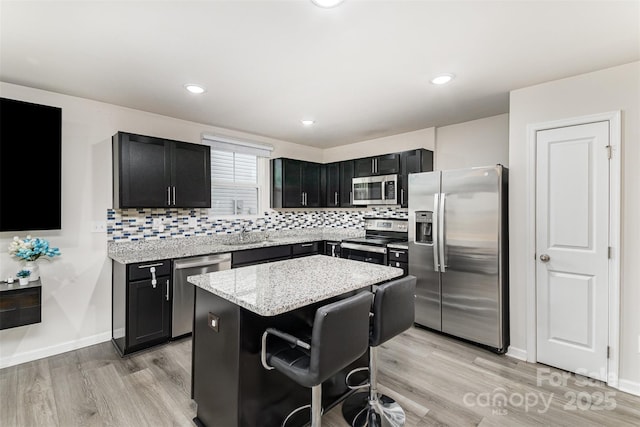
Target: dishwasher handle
{"points": [[200, 262]]}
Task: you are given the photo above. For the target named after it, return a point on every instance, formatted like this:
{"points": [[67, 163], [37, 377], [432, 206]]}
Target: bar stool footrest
{"points": [[383, 412]]}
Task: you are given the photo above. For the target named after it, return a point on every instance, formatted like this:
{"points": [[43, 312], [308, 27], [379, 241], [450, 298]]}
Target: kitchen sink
{"points": [[248, 242]]}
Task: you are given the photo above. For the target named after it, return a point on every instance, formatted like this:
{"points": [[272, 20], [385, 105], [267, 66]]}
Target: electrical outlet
{"points": [[193, 222], [99, 227], [214, 322]]}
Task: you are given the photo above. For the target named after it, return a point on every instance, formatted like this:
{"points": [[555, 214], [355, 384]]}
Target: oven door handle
{"points": [[364, 248]]}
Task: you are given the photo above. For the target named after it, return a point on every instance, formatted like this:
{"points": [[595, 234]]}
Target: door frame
{"points": [[614, 119]]}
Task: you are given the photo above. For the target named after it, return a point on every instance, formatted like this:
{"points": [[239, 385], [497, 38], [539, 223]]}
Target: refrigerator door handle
{"points": [[436, 226], [441, 225]]}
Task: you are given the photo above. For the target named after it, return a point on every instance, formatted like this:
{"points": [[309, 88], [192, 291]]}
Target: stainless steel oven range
{"points": [[373, 246]]}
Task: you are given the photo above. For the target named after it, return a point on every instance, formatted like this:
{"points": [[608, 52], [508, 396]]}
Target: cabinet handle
{"points": [[302, 198], [174, 195], [305, 198], [350, 197], [150, 265], [336, 198], [169, 196], [376, 163], [373, 166], [306, 245], [402, 196], [167, 295]]}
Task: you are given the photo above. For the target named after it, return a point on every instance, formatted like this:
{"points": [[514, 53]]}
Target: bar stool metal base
{"points": [[383, 412]]}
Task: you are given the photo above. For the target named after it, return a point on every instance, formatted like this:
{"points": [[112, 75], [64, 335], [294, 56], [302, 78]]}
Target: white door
{"points": [[572, 242]]}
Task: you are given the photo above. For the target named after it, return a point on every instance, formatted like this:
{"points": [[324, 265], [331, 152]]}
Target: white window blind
{"points": [[235, 182]]}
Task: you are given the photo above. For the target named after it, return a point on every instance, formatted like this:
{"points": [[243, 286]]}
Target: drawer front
{"points": [[400, 255], [259, 255], [20, 307], [305, 248], [142, 270]]}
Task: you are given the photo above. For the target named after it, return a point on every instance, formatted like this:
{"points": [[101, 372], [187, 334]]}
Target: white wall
{"points": [[424, 138], [616, 88], [481, 142], [77, 286]]}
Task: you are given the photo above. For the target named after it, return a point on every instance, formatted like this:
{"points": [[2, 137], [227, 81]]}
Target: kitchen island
{"points": [[232, 310]]}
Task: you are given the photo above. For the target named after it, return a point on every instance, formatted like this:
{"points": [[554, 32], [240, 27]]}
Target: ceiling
{"points": [[361, 70]]}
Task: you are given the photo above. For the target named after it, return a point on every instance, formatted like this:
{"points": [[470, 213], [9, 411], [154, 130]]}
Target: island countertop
{"points": [[278, 287]]}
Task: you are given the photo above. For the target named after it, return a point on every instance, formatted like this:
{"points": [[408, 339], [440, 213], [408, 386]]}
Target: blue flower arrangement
{"points": [[23, 274], [31, 249]]}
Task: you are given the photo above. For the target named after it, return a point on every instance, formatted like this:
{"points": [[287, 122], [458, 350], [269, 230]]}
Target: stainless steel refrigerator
{"points": [[458, 252]]}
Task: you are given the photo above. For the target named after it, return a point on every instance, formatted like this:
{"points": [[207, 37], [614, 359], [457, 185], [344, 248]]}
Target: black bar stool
{"points": [[393, 312], [339, 336]]}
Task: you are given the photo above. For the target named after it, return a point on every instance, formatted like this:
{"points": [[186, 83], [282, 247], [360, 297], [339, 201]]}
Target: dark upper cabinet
{"points": [[151, 172], [386, 164], [311, 184], [332, 185], [412, 161], [191, 175], [295, 183], [346, 175]]}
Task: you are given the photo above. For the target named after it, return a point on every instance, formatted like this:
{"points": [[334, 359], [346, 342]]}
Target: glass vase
{"points": [[32, 267]]}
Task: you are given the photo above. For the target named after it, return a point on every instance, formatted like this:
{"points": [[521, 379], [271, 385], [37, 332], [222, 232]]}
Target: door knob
{"points": [[545, 258]]}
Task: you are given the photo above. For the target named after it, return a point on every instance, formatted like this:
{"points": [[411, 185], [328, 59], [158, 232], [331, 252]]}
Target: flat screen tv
{"points": [[30, 166]]}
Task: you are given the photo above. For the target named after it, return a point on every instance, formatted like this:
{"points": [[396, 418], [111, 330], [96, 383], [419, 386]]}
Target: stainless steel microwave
{"points": [[375, 190]]}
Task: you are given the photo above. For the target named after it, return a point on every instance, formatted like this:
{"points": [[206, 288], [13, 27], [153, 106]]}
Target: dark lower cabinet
{"points": [[149, 312], [398, 258], [305, 249], [332, 248], [141, 305], [260, 255]]}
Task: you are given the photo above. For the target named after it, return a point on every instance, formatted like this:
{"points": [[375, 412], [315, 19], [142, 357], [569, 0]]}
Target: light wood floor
{"points": [[437, 380]]}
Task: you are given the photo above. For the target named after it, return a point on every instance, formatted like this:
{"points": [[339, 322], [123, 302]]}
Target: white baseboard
{"points": [[40, 353], [630, 387], [517, 353]]}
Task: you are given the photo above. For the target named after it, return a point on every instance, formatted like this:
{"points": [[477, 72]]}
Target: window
{"points": [[238, 176]]}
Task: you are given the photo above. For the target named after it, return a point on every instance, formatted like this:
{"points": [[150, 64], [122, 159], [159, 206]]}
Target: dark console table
{"points": [[20, 305]]}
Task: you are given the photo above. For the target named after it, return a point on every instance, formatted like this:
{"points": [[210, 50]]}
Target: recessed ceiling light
{"points": [[327, 3], [307, 122], [194, 88], [442, 79]]}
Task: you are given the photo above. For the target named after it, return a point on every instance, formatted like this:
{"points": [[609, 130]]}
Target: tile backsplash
{"points": [[150, 224]]}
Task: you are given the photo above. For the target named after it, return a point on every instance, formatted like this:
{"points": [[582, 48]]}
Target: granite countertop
{"points": [[278, 287], [154, 250]]}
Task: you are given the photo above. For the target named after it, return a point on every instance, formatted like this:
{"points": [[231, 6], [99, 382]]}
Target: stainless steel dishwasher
{"points": [[183, 291]]}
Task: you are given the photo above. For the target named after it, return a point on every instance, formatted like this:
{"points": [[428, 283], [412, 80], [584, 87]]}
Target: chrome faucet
{"points": [[243, 231]]}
